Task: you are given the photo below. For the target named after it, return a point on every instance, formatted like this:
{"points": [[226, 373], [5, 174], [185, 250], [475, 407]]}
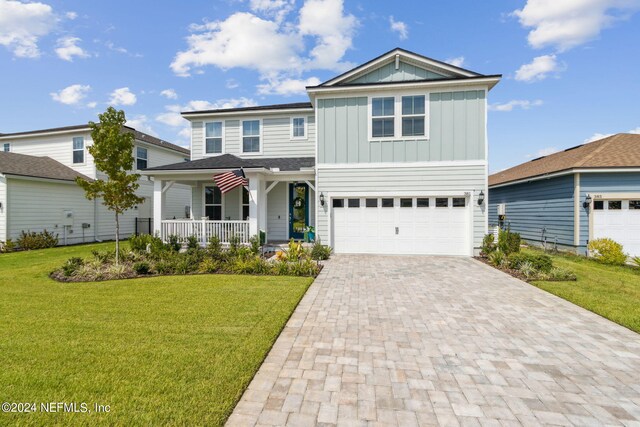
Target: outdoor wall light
{"points": [[481, 198], [587, 201], [321, 199]]}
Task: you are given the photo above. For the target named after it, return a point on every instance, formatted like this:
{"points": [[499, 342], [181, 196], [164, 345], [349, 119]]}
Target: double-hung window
{"points": [[6, 147], [141, 158], [298, 128], [213, 138], [213, 203], [382, 117], [251, 136], [78, 150], [413, 115]]}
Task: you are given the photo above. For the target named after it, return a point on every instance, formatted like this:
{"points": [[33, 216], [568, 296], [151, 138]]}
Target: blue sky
{"points": [[570, 66]]}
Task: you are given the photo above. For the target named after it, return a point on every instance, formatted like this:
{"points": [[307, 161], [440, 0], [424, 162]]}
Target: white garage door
{"points": [[618, 220], [401, 225]]}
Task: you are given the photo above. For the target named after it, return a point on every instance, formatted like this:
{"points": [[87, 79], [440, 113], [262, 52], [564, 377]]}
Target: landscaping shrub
{"points": [[636, 260], [540, 262], [488, 244], [561, 274], [214, 249], [529, 270], [142, 268], [296, 251], [193, 242], [255, 245], [72, 266], [235, 243], [607, 251], [305, 267], [497, 258], [6, 247], [320, 252], [508, 242], [29, 240], [209, 265], [173, 243], [141, 242]]}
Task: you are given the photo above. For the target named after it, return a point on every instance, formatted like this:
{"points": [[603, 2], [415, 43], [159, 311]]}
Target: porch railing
{"points": [[204, 229]]}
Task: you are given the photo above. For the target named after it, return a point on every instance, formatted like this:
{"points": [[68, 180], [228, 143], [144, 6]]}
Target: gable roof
{"points": [[272, 107], [229, 161], [140, 136], [36, 167], [439, 67], [616, 151]]}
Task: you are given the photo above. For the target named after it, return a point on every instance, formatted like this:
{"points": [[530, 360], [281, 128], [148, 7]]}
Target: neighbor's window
{"points": [[371, 203], [6, 147], [442, 202], [406, 203], [382, 117], [634, 204], [298, 127], [459, 202], [213, 138], [251, 136], [141, 158], [78, 149], [615, 205], [423, 202], [413, 115], [598, 205], [338, 203], [213, 203], [245, 204], [387, 203]]}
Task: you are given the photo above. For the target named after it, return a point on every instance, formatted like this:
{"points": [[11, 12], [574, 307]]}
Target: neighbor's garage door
{"points": [[618, 220], [401, 225]]}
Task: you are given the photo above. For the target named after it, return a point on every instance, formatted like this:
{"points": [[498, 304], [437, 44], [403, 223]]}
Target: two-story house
{"points": [[38, 190], [389, 157]]}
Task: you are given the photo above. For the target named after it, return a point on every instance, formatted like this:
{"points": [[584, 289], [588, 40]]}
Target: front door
{"points": [[298, 210]]}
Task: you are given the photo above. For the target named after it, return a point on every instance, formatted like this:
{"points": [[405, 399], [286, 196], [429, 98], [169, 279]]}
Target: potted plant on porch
{"points": [[309, 234]]}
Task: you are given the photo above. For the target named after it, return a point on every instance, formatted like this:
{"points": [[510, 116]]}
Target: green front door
{"points": [[298, 210]]}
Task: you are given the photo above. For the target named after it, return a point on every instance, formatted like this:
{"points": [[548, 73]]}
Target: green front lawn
{"points": [[161, 350], [612, 292]]}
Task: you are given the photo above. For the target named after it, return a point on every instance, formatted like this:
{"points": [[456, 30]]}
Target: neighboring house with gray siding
{"points": [[38, 189], [389, 157], [571, 197]]}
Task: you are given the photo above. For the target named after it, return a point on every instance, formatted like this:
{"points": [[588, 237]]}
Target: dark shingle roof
{"points": [[291, 106], [621, 150], [229, 161], [141, 136], [36, 167]]}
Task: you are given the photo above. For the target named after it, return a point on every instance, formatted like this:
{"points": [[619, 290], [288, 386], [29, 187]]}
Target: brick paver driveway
{"points": [[441, 341]]}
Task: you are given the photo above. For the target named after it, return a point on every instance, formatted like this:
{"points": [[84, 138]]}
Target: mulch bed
{"points": [[509, 271]]}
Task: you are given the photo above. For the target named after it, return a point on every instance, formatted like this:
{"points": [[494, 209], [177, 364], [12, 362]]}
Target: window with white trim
{"points": [[383, 117], [213, 137], [298, 128], [413, 115], [251, 136], [6, 147], [142, 157], [245, 204], [213, 203], [78, 149]]}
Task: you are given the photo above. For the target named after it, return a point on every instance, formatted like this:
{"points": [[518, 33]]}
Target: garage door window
{"points": [[423, 202], [354, 203], [634, 204], [372, 203], [615, 205], [442, 202], [406, 203], [598, 205], [338, 203], [459, 202], [387, 203]]}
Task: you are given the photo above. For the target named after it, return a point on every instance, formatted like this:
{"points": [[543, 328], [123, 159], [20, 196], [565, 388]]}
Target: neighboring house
{"points": [[574, 196], [38, 191], [389, 157]]}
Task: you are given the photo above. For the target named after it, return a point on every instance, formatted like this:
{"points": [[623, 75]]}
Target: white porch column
{"points": [[257, 204], [158, 205]]}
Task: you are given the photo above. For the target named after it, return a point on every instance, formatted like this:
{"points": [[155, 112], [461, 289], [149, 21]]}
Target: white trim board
{"points": [[194, 114], [567, 172], [392, 165]]}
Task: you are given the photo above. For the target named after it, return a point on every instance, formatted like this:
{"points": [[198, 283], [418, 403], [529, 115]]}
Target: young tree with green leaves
{"points": [[112, 152]]}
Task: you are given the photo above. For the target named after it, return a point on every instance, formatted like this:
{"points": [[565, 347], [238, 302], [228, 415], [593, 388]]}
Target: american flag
{"points": [[229, 180]]}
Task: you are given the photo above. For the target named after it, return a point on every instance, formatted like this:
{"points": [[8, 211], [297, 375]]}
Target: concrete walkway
{"points": [[381, 340]]}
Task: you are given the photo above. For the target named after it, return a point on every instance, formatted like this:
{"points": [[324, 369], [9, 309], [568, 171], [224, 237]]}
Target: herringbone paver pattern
{"points": [[422, 341]]}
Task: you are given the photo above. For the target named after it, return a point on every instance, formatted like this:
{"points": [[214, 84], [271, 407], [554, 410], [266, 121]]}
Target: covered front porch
{"points": [[280, 201]]}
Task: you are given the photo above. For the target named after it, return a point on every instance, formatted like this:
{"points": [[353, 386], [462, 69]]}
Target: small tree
{"points": [[112, 152]]}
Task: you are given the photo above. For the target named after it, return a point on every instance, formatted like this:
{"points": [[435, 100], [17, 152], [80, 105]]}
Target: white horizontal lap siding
{"points": [[197, 140], [3, 209], [157, 156], [426, 180], [277, 141], [177, 198], [38, 205]]}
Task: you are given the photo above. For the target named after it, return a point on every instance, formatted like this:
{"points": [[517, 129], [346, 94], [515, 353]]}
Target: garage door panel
{"points": [[621, 225]]}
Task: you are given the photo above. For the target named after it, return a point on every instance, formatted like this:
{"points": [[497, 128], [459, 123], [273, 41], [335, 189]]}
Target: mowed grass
{"points": [[612, 292], [167, 350]]}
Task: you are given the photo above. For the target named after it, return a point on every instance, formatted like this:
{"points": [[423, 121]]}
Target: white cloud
{"points": [[543, 152], [68, 48], [141, 123], [22, 24], [232, 83], [92, 104], [278, 9], [516, 103], [71, 15], [538, 69], [458, 61], [171, 117], [169, 94], [399, 27], [597, 136], [287, 87], [122, 96], [569, 23], [71, 95]]}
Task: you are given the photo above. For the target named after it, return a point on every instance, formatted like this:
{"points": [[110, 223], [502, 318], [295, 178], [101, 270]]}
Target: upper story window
{"points": [[78, 150], [251, 136], [141, 158], [413, 115], [382, 117], [298, 128], [6, 147], [213, 138]]}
